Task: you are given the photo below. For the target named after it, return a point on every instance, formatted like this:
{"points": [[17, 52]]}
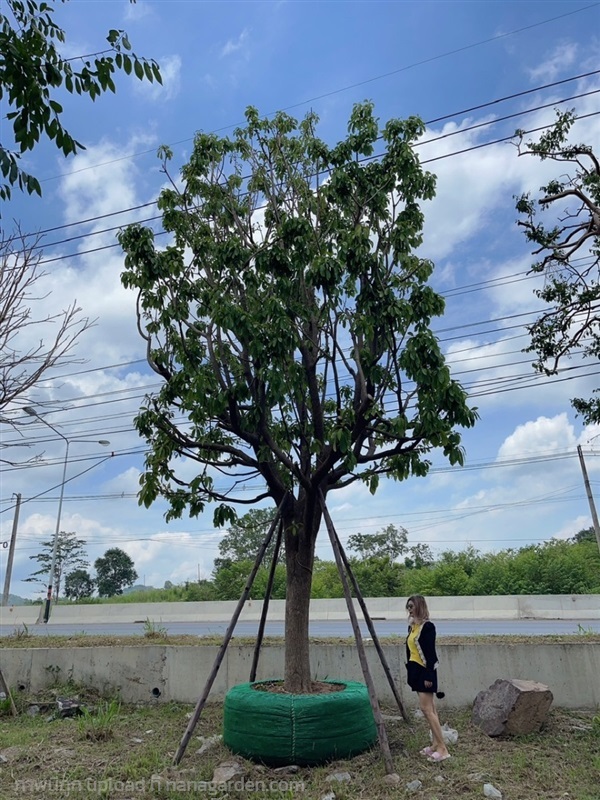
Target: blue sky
{"points": [[522, 482]]}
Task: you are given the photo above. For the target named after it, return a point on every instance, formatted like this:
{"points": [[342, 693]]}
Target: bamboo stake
{"points": [[373, 632], [265, 608], [381, 731], [228, 634], [6, 690]]}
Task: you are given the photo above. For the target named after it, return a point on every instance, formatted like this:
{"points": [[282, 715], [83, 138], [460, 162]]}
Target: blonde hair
{"points": [[419, 610]]}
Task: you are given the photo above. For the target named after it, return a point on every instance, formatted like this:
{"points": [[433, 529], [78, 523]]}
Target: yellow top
{"points": [[412, 647]]}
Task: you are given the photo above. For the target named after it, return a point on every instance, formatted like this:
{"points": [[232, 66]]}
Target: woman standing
{"points": [[421, 666]]}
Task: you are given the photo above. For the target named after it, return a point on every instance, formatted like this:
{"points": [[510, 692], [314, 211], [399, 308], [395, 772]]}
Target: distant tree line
{"points": [[386, 566], [384, 563], [114, 570]]}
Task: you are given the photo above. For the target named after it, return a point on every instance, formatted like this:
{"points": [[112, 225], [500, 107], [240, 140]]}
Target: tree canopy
{"points": [[563, 224], [290, 318], [245, 536], [79, 584], [32, 74], [70, 555], [390, 542], [114, 572]]}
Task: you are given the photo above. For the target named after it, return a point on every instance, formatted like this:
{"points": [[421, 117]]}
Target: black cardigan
{"points": [[425, 643]]}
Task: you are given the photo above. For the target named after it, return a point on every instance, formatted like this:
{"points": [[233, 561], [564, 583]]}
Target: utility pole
{"points": [[11, 552], [588, 489]]}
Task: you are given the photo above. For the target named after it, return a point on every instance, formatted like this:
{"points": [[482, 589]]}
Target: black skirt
{"points": [[416, 677]]}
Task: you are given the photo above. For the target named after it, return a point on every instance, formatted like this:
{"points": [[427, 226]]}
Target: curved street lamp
{"points": [[33, 413]]}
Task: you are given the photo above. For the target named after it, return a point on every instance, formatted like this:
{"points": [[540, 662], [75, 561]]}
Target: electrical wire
{"points": [[435, 120]]}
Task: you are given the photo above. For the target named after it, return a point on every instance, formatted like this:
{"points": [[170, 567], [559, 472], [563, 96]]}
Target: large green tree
{"points": [[79, 584], [245, 536], [70, 555], [33, 73], [289, 320], [563, 224], [114, 572], [390, 542]]}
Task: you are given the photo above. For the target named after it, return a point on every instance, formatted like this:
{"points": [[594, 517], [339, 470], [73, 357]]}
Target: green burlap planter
{"points": [[307, 729]]}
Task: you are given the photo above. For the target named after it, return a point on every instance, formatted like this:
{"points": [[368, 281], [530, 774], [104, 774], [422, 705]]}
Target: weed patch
{"points": [[98, 725], [116, 751]]}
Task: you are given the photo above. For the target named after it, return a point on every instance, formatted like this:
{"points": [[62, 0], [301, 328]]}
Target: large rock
{"points": [[512, 706]]}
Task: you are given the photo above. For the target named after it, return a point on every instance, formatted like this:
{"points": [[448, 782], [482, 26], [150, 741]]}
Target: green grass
{"points": [[560, 762]]}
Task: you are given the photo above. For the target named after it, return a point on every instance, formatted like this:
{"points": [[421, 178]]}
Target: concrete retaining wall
{"points": [[169, 672], [579, 607]]}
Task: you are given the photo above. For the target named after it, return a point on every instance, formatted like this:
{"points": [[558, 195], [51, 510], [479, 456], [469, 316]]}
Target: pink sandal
{"points": [[427, 751], [437, 757]]}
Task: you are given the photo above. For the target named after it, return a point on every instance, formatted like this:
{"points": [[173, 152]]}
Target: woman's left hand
{"points": [[427, 684]]}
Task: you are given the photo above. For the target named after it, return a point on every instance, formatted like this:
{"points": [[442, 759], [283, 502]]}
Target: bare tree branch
{"points": [[31, 343]]}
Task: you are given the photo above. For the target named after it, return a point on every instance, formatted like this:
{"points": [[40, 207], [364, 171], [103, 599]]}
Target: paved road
{"points": [[321, 628]]}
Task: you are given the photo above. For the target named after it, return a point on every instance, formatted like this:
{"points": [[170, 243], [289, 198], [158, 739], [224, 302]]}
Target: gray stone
{"points": [[339, 777], [290, 769], [328, 796], [207, 743], [392, 779], [12, 753], [228, 771], [512, 707], [67, 707], [490, 791], [439, 779], [414, 786]]}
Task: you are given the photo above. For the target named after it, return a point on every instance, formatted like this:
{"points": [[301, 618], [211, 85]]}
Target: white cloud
{"points": [[235, 45], [137, 11], [562, 57], [127, 482], [541, 436], [474, 187], [569, 529]]}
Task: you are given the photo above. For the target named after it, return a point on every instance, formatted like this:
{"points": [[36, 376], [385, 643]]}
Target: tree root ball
{"points": [[277, 729]]}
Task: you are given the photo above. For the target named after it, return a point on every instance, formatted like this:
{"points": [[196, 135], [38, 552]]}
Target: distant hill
{"points": [[15, 600], [139, 587]]}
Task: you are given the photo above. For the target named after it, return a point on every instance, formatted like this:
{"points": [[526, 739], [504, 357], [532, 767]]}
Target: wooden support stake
{"points": [[381, 731], [6, 690], [265, 608], [228, 634], [373, 632]]}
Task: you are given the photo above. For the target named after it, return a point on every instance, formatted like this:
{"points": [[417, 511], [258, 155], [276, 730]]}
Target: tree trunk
{"points": [[301, 528]]}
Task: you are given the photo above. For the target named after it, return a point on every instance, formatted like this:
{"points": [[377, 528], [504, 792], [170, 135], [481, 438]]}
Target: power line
{"points": [[370, 158], [459, 132], [442, 118], [372, 80]]}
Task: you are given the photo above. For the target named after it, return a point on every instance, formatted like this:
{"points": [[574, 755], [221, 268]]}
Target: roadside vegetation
{"points": [[384, 563], [554, 567]]}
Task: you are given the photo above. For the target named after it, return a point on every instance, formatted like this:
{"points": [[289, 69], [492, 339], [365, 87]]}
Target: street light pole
{"points": [[33, 413]]}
